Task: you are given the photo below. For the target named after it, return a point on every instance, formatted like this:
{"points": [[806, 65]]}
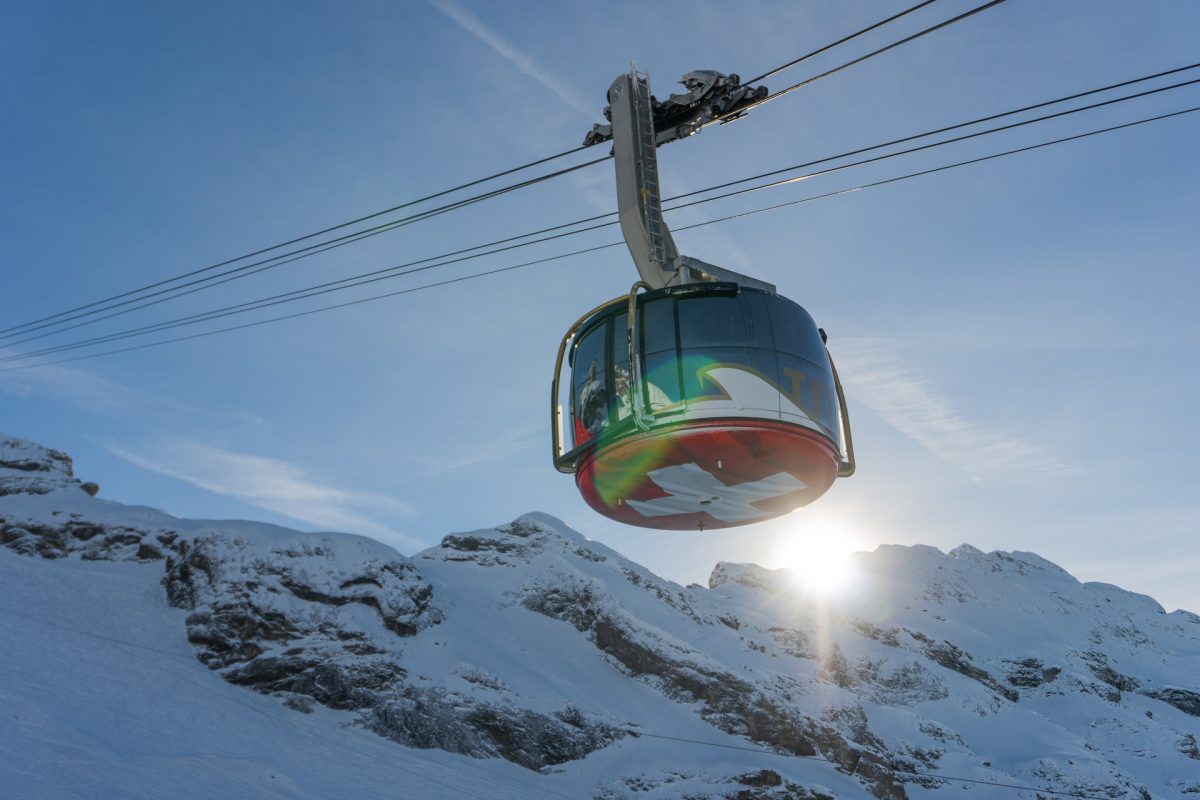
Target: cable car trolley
{"points": [[703, 398]]}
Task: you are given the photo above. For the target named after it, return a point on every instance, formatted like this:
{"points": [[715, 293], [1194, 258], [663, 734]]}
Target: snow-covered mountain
{"points": [[150, 656]]}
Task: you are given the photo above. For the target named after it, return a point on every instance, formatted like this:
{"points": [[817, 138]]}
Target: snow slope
{"points": [[527, 661], [101, 696]]}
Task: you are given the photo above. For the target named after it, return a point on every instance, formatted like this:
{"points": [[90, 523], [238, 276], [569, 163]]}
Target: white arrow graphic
{"points": [[691, 489], [747, 390]]}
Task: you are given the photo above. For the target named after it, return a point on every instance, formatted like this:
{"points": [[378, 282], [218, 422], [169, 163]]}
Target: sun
{"points": [[817, 550]]}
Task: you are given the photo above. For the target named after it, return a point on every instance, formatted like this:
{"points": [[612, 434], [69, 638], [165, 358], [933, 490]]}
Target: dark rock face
{"points": [[270, 617], [34, 458], [952, 657], [1030, 672], [727, 701], [29, 468], [1098, 663], [766, 784], [1185, 700], [238, 623], [1190, 747], [454, 722]]}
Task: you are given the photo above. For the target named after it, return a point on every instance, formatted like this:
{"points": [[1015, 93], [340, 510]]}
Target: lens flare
{"points": [[818, 553]]}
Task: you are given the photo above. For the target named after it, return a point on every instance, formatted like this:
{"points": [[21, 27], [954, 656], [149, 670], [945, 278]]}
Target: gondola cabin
{"points": [[706, 405]]}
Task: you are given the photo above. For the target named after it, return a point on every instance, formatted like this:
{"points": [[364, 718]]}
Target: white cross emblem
{"points": [[691, 489]]}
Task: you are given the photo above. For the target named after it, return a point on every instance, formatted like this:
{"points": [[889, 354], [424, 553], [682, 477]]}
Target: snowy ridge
{"points": [[529, 650], [28, 468]]}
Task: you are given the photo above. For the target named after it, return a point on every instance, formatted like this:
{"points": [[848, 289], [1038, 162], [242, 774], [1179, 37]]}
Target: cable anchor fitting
{"points": [[710, 96]]}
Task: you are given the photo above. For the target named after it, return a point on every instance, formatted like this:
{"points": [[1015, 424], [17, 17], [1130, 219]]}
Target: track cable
{"points": [[773, 72], [450, 258], [128, 298], [596, 248], [305, 237], [809, 81], [304, 252]]}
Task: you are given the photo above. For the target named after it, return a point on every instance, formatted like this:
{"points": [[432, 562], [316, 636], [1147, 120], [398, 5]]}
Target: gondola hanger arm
{"points": [[639, 125]]}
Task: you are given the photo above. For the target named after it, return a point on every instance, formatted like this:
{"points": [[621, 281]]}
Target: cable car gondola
{"points": [[703, 398]]}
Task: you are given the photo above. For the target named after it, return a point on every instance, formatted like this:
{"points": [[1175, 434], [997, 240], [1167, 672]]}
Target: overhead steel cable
{"points": [[808, 81], [955, 165], [305, 237], [129, 310], [977, 121], [561, 256], [397, 268], [90, 309], [395, 271], [310, 250], [772, 73], [920, 148], [447, 259]]}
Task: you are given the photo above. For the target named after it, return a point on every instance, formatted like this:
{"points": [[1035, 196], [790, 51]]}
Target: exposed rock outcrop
{"points": [[530, 643]]}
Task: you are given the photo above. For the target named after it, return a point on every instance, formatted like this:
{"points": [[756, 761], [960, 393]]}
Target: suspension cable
{"points": [[596, 248], [446, 260], [90, 309], [772, 73], [808, 81], [397, 268], [307, 236], [920, 148], [310, 250]]}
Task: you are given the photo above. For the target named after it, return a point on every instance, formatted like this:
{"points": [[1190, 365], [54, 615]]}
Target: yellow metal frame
{"points": [[846, 465]]}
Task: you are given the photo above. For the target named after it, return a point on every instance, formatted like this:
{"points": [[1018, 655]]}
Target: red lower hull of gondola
{"points": [[708, 474]]}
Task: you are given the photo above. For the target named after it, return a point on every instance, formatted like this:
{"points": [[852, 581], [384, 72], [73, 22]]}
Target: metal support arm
{"points": [[639, 199], [639, 196]]}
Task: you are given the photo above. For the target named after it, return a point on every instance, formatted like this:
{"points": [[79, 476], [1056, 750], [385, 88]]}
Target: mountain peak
{"points": [[526, 538], [751, 576], [530, 643], [30, 468]]}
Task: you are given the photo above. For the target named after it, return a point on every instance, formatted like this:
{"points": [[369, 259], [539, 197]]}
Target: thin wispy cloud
{"points": [[64, 383], [876, 377], [272, 484], [497, 447], [83, 389], [523, 62]]}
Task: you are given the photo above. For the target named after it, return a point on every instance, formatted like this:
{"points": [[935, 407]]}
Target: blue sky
{"points": [[1018, 338]]}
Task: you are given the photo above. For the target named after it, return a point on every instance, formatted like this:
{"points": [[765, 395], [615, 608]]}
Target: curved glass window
{"points": [[711, 322], [619, 405], [805, 379], [660, 364], [795, 331], [727, 352], [661, 384], [751, 354], [658, 325], [589, 396]]}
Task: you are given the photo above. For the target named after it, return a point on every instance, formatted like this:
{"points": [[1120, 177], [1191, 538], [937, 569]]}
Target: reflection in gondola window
{"points": [[590, 396], [620, 359]]}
